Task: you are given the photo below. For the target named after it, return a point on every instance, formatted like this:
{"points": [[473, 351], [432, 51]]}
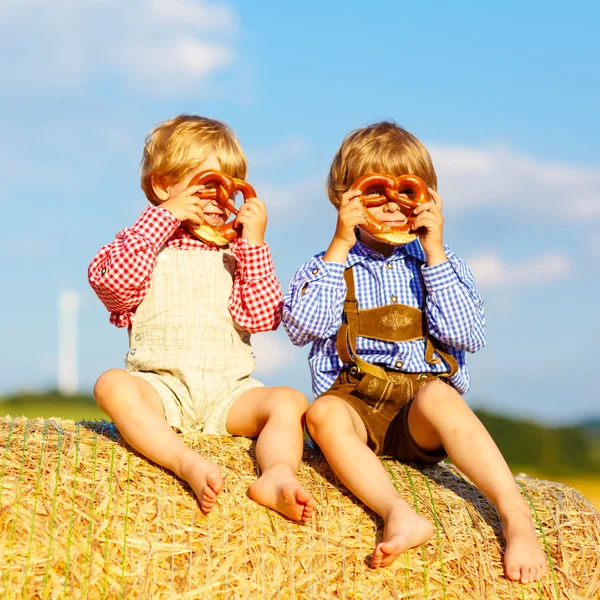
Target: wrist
{"points": [[255, 241], [435, 256], [338, 251]]}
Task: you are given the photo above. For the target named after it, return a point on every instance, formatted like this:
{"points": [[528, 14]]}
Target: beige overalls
{"points": [[185, 343]]}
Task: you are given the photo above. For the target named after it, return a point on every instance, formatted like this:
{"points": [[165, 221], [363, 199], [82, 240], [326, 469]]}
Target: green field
{"points": [[32, 406]]}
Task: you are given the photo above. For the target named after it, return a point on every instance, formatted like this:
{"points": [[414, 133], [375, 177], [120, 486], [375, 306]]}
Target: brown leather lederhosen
{"points": [[379, 393]]}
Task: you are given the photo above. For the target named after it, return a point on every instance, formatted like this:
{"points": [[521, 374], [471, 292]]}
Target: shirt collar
{"points": [[361, 251]]}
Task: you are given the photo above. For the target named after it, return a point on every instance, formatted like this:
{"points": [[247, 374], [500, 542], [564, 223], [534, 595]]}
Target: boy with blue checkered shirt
{"points": [[389, 326]]}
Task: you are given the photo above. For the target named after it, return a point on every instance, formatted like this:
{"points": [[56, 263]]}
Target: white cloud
{"points": [[500, 175], [491, 271], [175, 64], [272, 353], [163, 46], [289, 149], [293, 196]]}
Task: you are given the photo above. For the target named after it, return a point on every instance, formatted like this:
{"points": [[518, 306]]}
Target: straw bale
{"points": [[83, 516]]}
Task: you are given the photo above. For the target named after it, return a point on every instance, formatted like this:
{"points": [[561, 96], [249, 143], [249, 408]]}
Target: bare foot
{"points": [[278, 488], [524, 559], [205, 479], [403, 529]]}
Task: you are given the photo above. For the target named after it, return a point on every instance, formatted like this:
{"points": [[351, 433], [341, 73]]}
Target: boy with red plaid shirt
{"points": [[190, 308]]}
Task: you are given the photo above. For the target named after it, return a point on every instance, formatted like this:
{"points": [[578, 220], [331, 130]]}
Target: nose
{"points": [[391, 207]]}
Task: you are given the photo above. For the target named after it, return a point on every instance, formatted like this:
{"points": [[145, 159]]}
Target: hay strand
{"points": [[83, 516]]}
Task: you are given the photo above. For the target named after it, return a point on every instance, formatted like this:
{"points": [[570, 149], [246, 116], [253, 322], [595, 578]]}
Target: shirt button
{"points": [[389, 266], [103, 272], [399, 363], [132, 351], [315, 271], [394, 299], [138, 337]]}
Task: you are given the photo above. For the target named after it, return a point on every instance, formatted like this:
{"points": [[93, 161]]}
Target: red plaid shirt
{"points": [[121, 272]]}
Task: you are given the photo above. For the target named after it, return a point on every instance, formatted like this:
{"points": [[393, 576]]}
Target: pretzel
{"points": [[222, 191], [392, 189]]}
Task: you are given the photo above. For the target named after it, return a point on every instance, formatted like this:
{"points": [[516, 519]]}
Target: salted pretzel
{"points": [[391, 189], [222, 189]]}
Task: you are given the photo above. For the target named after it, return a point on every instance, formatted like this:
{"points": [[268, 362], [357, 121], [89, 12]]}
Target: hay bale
{"points": [[83, 516]]}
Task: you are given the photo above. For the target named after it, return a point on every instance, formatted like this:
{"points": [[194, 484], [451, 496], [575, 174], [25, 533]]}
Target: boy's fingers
{"points": [[349, 195], [193, 189], [427, 206], [426, 220], [437, 199], [255, 202], [353, 205]]}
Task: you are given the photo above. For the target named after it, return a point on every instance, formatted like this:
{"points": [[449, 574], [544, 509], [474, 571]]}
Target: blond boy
{"points": [[190, 308], [389, 327]]}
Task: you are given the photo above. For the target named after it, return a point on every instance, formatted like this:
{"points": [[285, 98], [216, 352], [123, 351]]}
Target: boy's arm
{"points": [[255, 301], [454, 307], [120, 273], [314, 303]]}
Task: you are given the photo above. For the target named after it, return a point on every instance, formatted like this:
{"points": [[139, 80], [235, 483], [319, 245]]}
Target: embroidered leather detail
{"points": [[372, 387], [385, 396], [396, 321], [403, 383]]}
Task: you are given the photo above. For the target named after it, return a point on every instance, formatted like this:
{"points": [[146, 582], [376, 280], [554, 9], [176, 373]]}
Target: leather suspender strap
{"points": [[348, 332]]}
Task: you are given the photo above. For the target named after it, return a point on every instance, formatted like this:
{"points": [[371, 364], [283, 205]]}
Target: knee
{"points": [[105, 386], [320, 415], [436, 398], [289, 400]]}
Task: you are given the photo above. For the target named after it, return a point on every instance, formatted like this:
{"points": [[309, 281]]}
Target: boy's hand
{"points": [[350, 214], [430, 223], [186, 206], [253, 219]]}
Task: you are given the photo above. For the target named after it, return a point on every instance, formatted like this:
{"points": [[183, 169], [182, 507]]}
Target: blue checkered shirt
{"points": [[313, 308]]}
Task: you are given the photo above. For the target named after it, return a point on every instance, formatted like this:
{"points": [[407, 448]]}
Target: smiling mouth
{"points": [[214, 218], [394, 222]]}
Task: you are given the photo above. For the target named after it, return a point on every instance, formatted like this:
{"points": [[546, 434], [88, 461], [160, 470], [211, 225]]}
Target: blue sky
{"points": [[505, 95]]}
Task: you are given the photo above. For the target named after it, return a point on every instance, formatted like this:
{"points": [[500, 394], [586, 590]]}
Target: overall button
{"points": [[389, 266], [163, 256], [132, 351], [398, 364], [138, 337], [394, 299]]}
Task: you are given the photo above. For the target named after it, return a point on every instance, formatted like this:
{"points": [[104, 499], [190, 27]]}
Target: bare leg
{"points": [[439, 416], [275, 415], [342, 437], [137, 411]]}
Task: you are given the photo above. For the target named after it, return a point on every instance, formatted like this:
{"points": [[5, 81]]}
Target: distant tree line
{"points": [[554, 450]]}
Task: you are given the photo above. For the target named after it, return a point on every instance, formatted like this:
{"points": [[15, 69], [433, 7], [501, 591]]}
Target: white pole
{"points": [[68, 305]]}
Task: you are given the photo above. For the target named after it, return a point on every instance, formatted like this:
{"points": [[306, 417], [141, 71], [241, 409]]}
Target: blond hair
{"points": [[177, 146], [379, 148]]}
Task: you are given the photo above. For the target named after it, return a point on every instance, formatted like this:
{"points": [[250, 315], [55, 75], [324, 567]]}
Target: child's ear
{"points": [[160, 188]]}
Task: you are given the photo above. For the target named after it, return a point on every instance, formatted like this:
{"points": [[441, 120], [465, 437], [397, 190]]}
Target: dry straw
{"points": [[83, 516]]}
